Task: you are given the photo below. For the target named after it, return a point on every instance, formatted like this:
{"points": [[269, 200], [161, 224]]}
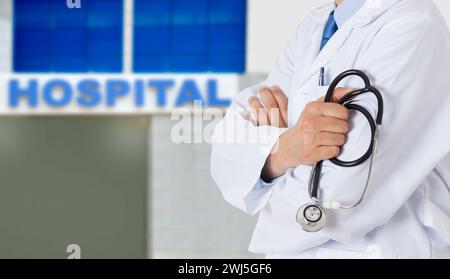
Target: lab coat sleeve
{"points": [[240, 149], [408, 61]]}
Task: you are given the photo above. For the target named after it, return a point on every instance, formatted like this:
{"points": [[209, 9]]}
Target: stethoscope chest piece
{"points": [[311, 217]]}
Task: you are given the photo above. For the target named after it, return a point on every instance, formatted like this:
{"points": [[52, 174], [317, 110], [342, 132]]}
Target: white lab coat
{"points": [[403, 45]]}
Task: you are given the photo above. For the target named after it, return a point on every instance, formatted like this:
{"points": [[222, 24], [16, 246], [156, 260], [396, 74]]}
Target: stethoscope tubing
{"points": [[375, 125]]}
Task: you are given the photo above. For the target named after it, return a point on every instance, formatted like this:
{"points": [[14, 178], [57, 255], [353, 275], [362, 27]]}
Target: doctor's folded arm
{"points": [[275, 152]]}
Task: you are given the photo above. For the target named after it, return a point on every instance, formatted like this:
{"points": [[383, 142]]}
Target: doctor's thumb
{"points": [[341, 92], [338, 94]]}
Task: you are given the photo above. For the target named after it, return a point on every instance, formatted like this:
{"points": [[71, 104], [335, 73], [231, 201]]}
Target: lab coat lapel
{"points": [[328, 52], [319, 16], [369, 12]]}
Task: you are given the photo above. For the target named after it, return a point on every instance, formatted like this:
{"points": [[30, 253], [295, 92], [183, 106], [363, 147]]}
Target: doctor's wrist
{"points": [[275, 165], [272, 169]]}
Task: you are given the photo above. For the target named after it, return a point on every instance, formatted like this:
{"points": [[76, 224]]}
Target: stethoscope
{"points": [[312, 216]]}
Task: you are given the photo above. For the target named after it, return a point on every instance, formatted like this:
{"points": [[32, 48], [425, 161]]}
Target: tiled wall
{"points": [[188, 216]]}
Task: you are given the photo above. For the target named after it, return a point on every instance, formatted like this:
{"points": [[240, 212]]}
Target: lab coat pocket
{"points": [[321, 91], [437, 220]]}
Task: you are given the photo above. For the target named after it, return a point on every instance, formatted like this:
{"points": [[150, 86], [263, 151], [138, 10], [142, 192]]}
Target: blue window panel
{"points": [[189, 63], [32, 64], [192, 39], [151, 63], [151, 13], [151, 39], [228, 11], [105, 13], [50, 37], [32, 13], [69, 64], [197, 35], [227, 62], [104, 41], [227, 38], [64, 17], [68, 41], [193, 12], [31, 42], [105, 64]]}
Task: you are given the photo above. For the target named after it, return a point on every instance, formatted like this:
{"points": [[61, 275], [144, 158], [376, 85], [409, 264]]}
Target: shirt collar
{"points": [[346, 10]]}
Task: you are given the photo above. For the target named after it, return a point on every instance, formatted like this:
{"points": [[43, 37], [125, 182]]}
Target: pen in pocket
{"points": [[322, 77]]}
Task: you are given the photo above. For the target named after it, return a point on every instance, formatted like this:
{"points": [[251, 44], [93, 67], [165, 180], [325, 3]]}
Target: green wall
{"points": [[67, 180]]}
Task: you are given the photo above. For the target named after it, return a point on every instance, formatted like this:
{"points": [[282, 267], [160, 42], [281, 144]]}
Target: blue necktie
{"points": [[329, 30]]}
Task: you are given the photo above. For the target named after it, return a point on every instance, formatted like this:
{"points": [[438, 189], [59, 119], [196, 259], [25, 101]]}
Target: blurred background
{"points": [[114, 183]]}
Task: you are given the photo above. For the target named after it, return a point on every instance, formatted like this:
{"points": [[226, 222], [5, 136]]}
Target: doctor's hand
{"points": [[318, 135], [271, 110]]}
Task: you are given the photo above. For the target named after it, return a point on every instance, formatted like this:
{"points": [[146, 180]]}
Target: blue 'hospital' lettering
{"points": [[213, 97], [161, 87], [139, 93], [189, 93], [116, 89], [57, 93], [91, 93], [16, 93]]}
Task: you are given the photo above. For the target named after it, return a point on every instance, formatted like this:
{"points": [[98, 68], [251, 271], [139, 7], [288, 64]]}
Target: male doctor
{"points": [[404, 47]]}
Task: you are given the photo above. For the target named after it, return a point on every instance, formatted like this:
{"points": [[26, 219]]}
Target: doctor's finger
{"points": [[258, 111], [282, 101], [272, 109], [341, 92], [331, 125], [327, 152], [267, 98], [328, 109], [338, 94], [329, 139], [334, 110]]}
